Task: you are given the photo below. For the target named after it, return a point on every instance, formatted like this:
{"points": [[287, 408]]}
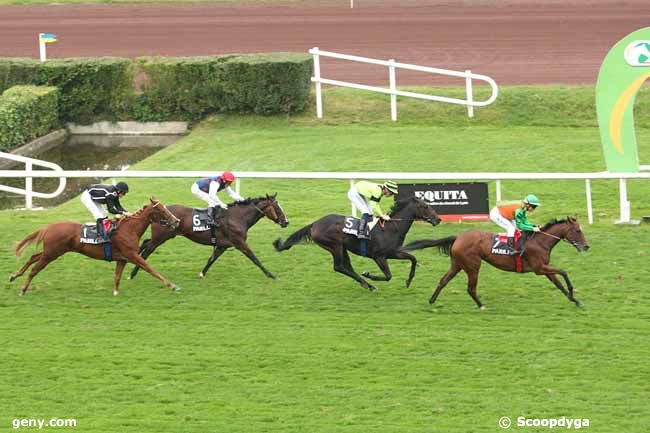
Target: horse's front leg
{"points": [[119, 268], [246, 250], [136, 259], [403, 255], [216, 253], [383, 266], [551, 273]]}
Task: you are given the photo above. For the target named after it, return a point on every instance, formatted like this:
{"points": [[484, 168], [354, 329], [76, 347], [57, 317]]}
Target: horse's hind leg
{"points": [[119, 268], [216, 253], [38, 267], [33, 259], [451, 273], [345, 267], [472, 282]]}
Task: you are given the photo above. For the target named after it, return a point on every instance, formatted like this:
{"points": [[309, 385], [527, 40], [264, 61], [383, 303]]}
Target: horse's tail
{"points": [[302, 234], [33, 238], [444, 244]]}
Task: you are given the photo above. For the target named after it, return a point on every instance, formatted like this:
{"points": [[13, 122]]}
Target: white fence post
{"points": [[498, 188], [393, 88], [354, 209], [319, 96], [590, 212], [237, 185], [28, 186], [470, 93]]}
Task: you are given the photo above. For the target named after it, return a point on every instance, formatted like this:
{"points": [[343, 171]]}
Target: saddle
{"points": [[202, 221], [351, 226], [500, 244], [89, 233]]}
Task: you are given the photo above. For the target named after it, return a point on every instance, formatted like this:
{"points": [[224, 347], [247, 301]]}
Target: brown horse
{"points": [[233, 228], [64, 236], [468, 249]]}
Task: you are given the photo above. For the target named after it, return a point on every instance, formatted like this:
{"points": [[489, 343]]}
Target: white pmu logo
{"points": [[637, 53], [441, 195]]}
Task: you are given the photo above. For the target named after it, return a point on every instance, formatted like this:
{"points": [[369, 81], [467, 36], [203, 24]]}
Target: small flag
{"points": [[47, 37]]}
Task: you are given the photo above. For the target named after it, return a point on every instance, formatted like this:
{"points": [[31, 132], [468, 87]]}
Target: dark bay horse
{"points": [[385, 241], [62, 237], [234, 224], [468, 249]]}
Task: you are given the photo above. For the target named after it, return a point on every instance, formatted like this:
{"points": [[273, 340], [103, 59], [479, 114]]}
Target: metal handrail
{"points": [[28, 174]]}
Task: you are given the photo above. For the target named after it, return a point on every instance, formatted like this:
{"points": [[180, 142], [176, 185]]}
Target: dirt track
{"points": [[514, 42]]}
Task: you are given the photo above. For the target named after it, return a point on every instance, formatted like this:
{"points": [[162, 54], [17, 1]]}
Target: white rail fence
{"points": [[28, 191], [392, 90], [29, 173]]}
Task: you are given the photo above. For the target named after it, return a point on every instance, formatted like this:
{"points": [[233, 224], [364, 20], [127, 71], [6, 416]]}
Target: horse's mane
{"points": [[399, 205], [247, 201], [553, 222]]}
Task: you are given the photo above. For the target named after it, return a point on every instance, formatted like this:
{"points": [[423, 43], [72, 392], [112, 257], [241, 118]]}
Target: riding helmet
{"points": [[122, 187], [228, 176], [391, 186], [532, 200]]}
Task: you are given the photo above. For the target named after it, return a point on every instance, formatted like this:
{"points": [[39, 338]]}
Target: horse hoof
{"points": [[201, 275], [11, 278], [579, 304], [21, 293], [372, 288], [115, 293], [482, 307], [274, 277], [408, 283], [176, 289], [365, 274]]}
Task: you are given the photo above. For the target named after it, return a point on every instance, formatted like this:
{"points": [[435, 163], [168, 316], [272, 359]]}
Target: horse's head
{"points": [[575, 235], [426, 213], [161, 214], [271, 209]]}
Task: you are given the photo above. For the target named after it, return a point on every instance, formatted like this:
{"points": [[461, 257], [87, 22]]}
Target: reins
{"points": [[559, 238]]}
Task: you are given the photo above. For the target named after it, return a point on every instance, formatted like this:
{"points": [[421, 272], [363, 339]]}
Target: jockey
{"points": [[207, 188], [513, 216], [365, 196], [97, 195]]}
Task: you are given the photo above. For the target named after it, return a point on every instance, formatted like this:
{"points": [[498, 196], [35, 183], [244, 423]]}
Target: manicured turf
{"points": [[314, 352]]}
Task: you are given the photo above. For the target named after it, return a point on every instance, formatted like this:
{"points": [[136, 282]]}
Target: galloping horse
{"points": [[468, 249], [385, 242], [232, 231], [64, 236]]}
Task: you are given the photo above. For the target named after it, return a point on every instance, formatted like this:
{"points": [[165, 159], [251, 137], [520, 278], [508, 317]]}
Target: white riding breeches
{"points": [[203, 195], [502, 221], [359, 202], [92, 206]]}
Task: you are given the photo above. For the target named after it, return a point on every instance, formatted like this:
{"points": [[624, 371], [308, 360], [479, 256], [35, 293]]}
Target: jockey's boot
{"points": [[100, 229], [511, 245], [362, 231], [212, 214]]}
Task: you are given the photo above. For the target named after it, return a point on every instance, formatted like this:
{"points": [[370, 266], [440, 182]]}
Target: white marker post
{"points": [[44, 38]]}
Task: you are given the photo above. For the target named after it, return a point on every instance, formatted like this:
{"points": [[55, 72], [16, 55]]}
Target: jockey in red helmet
{"points": [[207, 188]]}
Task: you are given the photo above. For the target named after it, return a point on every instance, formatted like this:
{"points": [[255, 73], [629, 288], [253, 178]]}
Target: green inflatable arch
{"points": [[624, 70]]}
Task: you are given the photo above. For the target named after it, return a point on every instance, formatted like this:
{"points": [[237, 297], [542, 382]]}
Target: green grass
{"points": [[313, 352]]}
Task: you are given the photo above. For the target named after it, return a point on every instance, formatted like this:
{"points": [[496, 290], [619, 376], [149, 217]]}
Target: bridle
{"points": [[575, 244]]}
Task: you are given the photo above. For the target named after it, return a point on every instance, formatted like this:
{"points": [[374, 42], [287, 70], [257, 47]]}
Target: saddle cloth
{"points": [[500, 244], [200, 220], [89, 235], [351, 226]]}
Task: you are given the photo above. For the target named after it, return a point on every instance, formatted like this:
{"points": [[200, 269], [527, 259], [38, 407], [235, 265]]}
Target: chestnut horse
{"points": [[64, 236], [468, 249]]}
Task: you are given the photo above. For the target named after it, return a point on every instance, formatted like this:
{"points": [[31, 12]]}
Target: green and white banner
{"points": [[624, 70]]}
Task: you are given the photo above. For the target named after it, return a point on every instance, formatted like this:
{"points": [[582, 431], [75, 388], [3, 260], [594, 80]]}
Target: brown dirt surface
{"points": [[514, 42]]}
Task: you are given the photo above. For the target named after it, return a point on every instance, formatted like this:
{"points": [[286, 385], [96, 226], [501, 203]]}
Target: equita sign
{"points": [[452, 201]]}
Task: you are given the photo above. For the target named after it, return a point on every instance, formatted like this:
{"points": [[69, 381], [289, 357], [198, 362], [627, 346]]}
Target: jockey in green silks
{"points": [[365, 196]]}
